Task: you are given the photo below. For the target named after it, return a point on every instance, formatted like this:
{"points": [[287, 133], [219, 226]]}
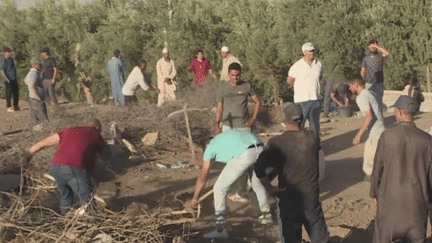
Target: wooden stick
{"points": [[188, 129], [130, 146], [202, 198]]}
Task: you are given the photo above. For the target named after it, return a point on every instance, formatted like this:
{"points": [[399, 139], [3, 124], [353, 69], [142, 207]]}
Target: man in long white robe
{"points": [[166, 78]]}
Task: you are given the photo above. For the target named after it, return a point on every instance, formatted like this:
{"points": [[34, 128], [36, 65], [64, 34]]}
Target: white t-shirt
{"points": [[136, 77], [307, 80]]}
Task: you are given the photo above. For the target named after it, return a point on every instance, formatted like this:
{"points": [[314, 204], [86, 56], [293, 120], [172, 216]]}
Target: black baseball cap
{"points": [[406, 103], [292, 112]]}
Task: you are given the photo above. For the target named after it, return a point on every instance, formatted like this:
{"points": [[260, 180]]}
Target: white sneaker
{"points": [[265, 218], [216, 234]]}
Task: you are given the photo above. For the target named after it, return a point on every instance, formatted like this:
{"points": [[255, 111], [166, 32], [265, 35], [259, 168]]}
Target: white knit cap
{"points": [[225, 49], [165, 50]]}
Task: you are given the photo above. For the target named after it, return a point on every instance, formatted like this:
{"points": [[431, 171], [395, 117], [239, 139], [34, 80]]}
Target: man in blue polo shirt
{"points": [[9, 74], [238, 150], [49, 74]]}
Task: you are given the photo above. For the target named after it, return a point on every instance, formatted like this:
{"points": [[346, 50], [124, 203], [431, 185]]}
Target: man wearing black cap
{"points": [[294, 156], [401, 178], [49, 74]]}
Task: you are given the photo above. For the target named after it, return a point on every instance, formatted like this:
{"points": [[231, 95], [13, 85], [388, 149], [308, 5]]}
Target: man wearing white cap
{"points": [[228, 58], [166, 78], [305, 76]]}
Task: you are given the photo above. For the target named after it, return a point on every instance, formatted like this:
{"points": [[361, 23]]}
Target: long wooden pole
{"points": [[428, 78]]}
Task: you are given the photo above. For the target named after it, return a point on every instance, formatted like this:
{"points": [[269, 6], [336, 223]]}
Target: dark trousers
{"points": [[38, 111], [130, 99], [12, 89], [50, 92], [311, 111], [293, 211], [72, 182]]}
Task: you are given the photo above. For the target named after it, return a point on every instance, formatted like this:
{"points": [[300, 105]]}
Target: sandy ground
{"points": [[345, 196]]}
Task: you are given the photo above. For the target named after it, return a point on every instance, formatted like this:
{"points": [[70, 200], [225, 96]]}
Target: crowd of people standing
{"points": [[397, 160]]}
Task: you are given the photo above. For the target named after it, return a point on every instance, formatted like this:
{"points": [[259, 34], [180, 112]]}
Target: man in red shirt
{"points": [[200, 66], [74, 161]]}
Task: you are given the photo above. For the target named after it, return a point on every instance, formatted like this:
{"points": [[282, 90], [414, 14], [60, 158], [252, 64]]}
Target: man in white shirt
{"points": [[137, 78], [166, 78], [228, 58], [305, 76]]}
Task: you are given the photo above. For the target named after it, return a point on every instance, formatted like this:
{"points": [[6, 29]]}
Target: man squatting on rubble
{"points": [[74, 161]]}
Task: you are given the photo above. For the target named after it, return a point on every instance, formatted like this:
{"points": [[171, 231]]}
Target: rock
{"points": [[9, 182], [102, 238], [150, 139]]}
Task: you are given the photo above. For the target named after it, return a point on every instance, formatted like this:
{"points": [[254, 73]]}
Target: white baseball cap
{"points": [[165, 50], [307, 47], [225, 49]]}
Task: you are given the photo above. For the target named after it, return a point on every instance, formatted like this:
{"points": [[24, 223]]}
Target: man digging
{"points": [[74, 161], [238, 150]]}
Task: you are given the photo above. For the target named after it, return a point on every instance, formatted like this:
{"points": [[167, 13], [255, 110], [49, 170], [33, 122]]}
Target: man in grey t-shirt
{"points": [[373, 69], [232, 111], [232, 99], [373, 121]]}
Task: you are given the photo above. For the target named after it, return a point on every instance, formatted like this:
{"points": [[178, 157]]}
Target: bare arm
{"points": [[46, 142], [367, 120], [5, 77], [54, 76], [290, 80], [33, 87], [200, 183], [381, 49], [219, 110], [332, 96], [346, 100], [257, 107], [363, 72]]}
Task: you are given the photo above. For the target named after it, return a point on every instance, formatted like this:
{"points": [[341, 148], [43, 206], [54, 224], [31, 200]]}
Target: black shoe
{"points": [[367, 178]]}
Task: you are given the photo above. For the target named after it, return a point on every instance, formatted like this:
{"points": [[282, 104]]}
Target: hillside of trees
{"points": [[265, 35]]}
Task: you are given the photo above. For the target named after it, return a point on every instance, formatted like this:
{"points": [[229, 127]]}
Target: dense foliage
{"points": [[265, 35]]}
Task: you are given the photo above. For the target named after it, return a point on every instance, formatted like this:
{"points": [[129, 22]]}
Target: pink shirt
{"points": [[200, 69]]}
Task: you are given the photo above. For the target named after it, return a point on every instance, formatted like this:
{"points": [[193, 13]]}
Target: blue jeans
{"points": [[72, 182], [231, 172], [378, 90], [311, 111]]}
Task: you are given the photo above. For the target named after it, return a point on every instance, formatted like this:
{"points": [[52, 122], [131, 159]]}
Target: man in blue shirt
{"points": [[115, 71], [9, 74], [238, 150]]}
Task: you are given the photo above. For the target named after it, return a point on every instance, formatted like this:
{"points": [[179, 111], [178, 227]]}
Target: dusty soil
{"points": [[348, 209]]}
